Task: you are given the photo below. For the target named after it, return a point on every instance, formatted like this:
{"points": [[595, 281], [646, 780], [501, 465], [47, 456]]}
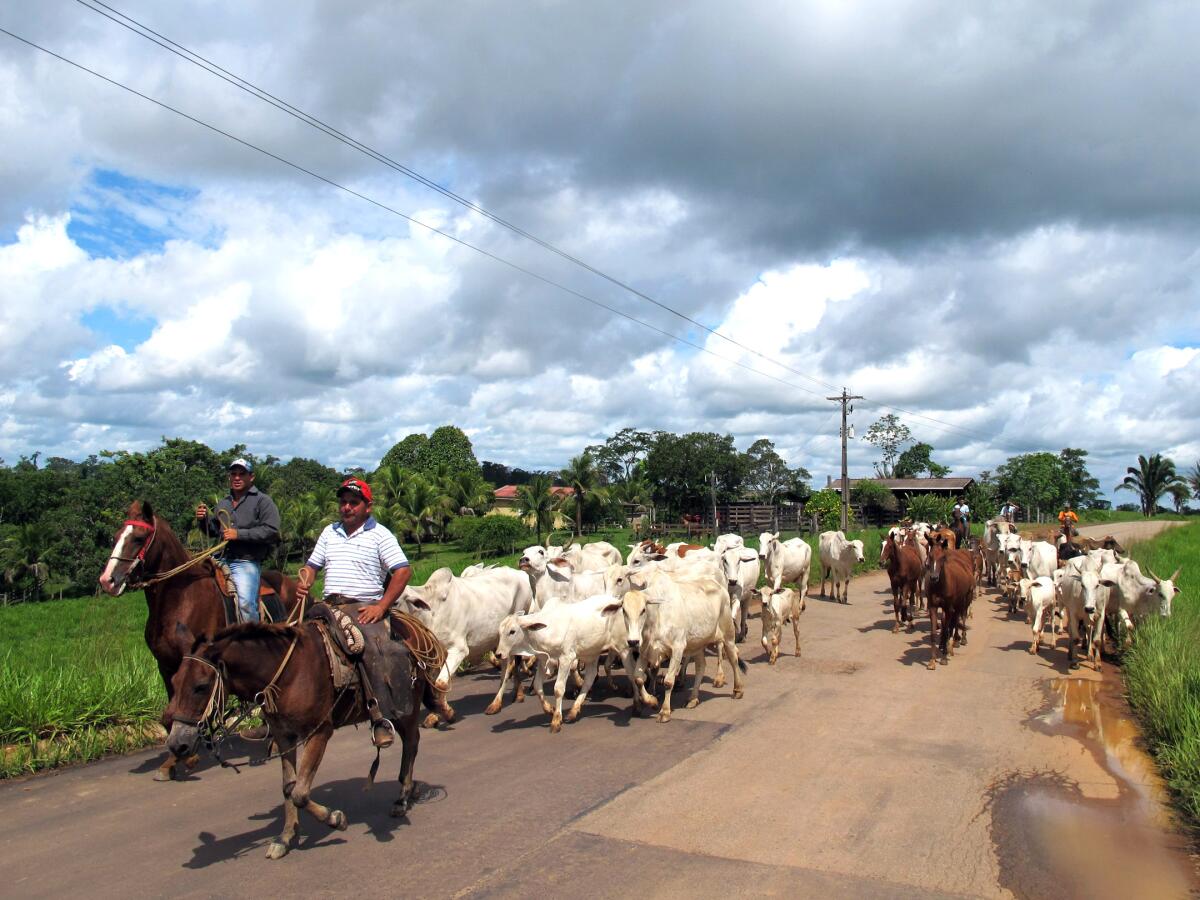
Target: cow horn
{"points": [[570, 541], [1176, 575], [1152, 575]]}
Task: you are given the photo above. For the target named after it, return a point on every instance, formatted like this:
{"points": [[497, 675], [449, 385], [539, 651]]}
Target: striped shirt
{"points": [[356, 564]]}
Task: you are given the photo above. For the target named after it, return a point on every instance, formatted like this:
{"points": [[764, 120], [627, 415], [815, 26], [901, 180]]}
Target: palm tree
{"points": [[302, 520], [1151, 479], [416, 508], [581, 476], [535, 501], [1181, 493], [1193, 479], [25, 553]]}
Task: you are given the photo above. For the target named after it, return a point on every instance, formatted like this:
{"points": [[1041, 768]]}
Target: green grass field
{"points": [[1162, 669]]}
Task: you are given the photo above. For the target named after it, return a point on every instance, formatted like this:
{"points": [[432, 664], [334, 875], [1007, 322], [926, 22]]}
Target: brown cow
{"points": [[950, 578], [904, 569]]}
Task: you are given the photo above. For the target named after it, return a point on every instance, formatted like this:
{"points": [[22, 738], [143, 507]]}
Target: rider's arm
{"points": [[266, 527]]}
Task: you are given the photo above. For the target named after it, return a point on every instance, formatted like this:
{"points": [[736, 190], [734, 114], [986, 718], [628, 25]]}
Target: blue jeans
{"points": [[246, 575]]}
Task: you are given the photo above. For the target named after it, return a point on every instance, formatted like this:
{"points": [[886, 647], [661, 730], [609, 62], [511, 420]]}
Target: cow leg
{"points": [[310, 760], [566, 665], [796, 625], [1037, 628], [673, 667], [701, 666], [506, 673], [455, 654], [589, 675], [825, 573], [1097, 648], [719, 680], [736, 664], [539, 682], [279, 847], [1072, 636], [638, 678]]}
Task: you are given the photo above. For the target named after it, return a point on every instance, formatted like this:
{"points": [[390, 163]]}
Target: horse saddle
{"points": [[270, 604]]}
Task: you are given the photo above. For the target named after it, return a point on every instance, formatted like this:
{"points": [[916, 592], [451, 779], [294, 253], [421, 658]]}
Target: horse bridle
{"points": [[141, 554], [216, 697]]}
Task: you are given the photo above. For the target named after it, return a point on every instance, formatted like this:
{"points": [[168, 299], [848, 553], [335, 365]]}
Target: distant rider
{"points": [[1068, 520], [250, 523]]}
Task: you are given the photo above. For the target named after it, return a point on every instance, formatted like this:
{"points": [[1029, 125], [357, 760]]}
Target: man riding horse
{"points": [[1069, 521], [365, 571]]}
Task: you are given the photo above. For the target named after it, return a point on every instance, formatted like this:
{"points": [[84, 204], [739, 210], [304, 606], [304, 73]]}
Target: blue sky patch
{"points": [[113, 326], [118, 216]]}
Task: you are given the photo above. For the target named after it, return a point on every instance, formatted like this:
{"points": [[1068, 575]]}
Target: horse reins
{"points": [[140, 557]]}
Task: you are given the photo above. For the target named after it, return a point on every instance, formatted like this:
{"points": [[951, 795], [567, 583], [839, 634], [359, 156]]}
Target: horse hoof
{"points": [[192, 761], [931, 666], [493, 708], [430, 721], [571, 716], [556, 726], [399, 809], [692, 704], [165, 774], [337, 820], [277, 850]]}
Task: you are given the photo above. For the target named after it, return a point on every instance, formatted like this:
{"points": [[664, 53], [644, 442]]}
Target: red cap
{"points": [[356, 486]]}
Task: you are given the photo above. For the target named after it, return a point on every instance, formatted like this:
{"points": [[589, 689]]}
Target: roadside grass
{"points": [[1162, 668], [76, 682]]}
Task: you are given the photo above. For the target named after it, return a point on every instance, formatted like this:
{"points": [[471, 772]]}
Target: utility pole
{"points": [[712, 491], [845, 399]]}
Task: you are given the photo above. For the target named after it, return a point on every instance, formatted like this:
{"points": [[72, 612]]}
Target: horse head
{"points": [[197, 692], [132, 542]]}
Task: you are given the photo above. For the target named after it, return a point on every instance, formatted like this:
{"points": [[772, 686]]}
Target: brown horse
{"points": [[146, 545], [286, 669], [905, 570], [950, 575]]}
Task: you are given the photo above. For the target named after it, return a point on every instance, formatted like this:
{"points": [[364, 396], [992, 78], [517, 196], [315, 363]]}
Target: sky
{"points": [[983, 217]]}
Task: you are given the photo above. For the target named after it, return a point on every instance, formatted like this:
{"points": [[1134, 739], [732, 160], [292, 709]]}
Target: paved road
{"points": [[851, 771]]}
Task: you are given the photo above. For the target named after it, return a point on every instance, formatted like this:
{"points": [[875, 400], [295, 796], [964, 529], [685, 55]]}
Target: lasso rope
{"points": [[426, 649], [171, 573]]}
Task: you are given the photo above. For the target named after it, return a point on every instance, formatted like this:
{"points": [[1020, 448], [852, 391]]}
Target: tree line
{"points": [[58, 516]]}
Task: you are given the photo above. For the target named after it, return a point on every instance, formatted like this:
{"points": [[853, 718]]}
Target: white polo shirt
{"points": [[356, 564]]}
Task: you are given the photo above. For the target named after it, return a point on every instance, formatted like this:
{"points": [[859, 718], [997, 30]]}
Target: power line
{"points": [[144, 31], [237, 81], [490, 255]]}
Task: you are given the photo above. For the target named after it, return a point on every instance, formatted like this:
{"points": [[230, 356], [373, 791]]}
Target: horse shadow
{"points": [[884, 624], [369, 808]]}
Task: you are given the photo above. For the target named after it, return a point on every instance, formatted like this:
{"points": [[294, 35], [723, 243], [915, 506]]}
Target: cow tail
{"points": [[742, 665]]}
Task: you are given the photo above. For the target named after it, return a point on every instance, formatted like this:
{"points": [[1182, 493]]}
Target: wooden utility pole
{"points": [[845, 399]]}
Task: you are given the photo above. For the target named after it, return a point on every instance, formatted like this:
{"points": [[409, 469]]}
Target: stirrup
{"points": [[383, 733]]}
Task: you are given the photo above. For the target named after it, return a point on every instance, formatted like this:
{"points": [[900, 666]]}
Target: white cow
{"points": [[593, 556], [1083, 599], [786, 562], [1039, 596], [1041, 560], [569, 634], [725, 541], [678, 617], [740, 569], [465, 613], [838, 557], [778, 608], [1136, 596]]}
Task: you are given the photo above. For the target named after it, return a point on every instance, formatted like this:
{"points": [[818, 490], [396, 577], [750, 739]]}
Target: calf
{"points": [[740, 569], [1040, 598], [778, 608]]}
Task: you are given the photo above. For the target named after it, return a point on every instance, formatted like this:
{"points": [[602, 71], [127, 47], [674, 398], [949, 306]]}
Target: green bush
{"points": [[930, 508], [826, 505], [491, 534]]}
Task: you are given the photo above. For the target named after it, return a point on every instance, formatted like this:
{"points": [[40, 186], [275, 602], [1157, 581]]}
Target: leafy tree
{"points": [[1037, 481], [415, 510], [1180, 493], [24, 557], [535, 501], [932, 508], [679, 467], [1085, 490], [490, 534], [406, 453], [1150, 479], [872, 495], [581, 476], [300, 476], [301, 520], [915, 461], [767, 475], [447, 446], [982, 498], [1193, 479], [889, 434], [618, 457], [467, 491]]}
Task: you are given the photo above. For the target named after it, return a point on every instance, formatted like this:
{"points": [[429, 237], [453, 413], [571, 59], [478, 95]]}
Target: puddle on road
{"points": [[1052, 840]]}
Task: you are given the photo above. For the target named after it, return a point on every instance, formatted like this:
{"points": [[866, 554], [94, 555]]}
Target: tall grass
{"points": [[76, 682], [1162, 669]]}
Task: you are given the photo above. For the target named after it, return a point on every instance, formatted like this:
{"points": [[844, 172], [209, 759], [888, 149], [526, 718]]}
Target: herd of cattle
{"points": [[567, 611], [1084, 583]]}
